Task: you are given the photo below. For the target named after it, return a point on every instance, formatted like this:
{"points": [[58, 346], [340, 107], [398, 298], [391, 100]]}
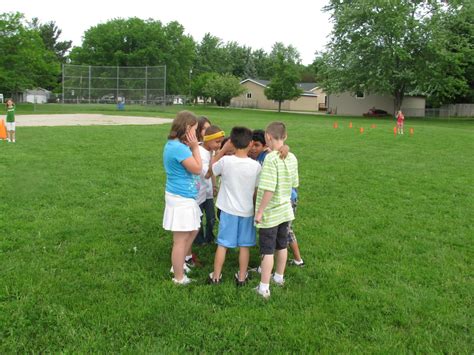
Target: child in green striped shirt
{"points": [[273, 207]]}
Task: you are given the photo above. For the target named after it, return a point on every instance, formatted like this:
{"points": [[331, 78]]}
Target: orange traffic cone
{"points": [[412, 131], [361, 129], [373, 126], [350, 124], [3, 130], [395, 130], [335, 125]]}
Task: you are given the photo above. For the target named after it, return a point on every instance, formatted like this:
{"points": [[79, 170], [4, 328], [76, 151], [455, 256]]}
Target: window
{"points": [[360, 95], [249, 95]]}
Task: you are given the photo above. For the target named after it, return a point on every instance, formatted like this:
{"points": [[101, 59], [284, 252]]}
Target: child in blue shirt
{"points": [[182, 163]]}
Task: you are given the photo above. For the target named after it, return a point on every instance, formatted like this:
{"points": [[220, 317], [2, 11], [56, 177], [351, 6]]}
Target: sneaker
{"points": [[241, 283], [264, 294], [293, 262], [193, 262], [185, 281], [279, 283], [186, 269], [256, 269], [212, 281]]}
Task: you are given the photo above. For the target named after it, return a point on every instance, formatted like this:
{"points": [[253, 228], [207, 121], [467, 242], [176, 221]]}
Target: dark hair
{"points": [[277, 130], [240, 137], [258, 135], [202, 120], [224, 141], [183, 120], [212, 130]]}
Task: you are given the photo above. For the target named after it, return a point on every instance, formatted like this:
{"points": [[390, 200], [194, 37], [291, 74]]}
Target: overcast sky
{"points": [[254, 23]]}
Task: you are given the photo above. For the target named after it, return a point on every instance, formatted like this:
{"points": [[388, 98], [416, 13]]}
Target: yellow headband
{"points": [[214, 136]]}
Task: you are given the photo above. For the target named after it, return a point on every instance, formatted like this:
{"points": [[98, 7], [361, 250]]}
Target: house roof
{"points": [[306, 87]]}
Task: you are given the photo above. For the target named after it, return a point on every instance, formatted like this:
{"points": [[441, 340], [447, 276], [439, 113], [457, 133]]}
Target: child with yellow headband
{"points": [[212, 139]]}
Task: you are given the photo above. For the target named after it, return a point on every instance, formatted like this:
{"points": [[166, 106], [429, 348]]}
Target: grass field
{"points": [[385, 226]]}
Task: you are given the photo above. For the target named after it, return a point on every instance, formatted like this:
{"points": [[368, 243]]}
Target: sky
{"points": [[253, 23]]}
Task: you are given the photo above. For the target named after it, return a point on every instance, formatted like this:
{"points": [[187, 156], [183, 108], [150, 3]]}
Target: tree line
{"points": [[399, 48], [33, 54]]}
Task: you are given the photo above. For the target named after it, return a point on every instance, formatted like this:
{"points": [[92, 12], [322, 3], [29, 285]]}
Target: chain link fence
{"points": [[113, 84]]}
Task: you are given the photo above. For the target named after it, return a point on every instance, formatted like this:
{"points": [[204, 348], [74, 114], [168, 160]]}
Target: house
{"points": [[356, 104], [35, 96], [312, 99]]}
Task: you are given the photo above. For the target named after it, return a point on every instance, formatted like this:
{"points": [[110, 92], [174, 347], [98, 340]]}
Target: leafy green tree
{"points": [[137, 42], [457, 55], [209, 55], [263, 64], [283, 86], [25, 63], [50, 34], [222, 88], [390, 48], [199, 85], [289, 53]]}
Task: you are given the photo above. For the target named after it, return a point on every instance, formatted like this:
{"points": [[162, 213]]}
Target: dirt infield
{"points": [[81, 119]]}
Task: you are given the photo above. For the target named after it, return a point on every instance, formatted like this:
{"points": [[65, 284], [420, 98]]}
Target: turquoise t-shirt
{"points": [[179, 181]]}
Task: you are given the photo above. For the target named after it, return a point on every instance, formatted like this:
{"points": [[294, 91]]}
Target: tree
{"points": [[390, 48], [209, 55], [199, 85], [25, 63], [50, 34], [262, 64], [137, 42], [458, 55], [222, 88], [283, 83]]}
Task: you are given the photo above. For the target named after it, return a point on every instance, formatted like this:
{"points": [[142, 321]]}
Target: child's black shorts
{"points": [[274, 238]]}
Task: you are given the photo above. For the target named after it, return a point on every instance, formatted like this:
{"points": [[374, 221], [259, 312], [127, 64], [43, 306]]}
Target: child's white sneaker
{"points": [[265, 294], [186, 269], [280, 281], [185, 281]]}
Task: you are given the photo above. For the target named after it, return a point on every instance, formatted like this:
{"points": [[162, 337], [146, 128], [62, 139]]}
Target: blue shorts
{"points": [[235, 231]]}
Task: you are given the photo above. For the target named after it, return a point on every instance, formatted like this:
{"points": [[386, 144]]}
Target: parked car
{"points": [[373, 112]]}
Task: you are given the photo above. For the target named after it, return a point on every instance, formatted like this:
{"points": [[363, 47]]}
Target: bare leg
{"points": [[219, 260], [267, 267], [281, 256], [189, 248], [296, 250], [244, 256], [180, 245]]}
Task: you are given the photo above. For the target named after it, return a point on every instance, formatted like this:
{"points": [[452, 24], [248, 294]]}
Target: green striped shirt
{"points": [[278, 176]]}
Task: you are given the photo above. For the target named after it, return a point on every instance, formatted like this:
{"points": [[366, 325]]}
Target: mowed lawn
{"points": [[385, 226]]}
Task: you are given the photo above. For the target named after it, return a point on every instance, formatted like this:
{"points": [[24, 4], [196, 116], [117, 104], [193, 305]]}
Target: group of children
{"points": [[258, 177], [9, 135]]}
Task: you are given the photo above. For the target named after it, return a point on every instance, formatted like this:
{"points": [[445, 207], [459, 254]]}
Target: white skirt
{"points": [[181, 214]]}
